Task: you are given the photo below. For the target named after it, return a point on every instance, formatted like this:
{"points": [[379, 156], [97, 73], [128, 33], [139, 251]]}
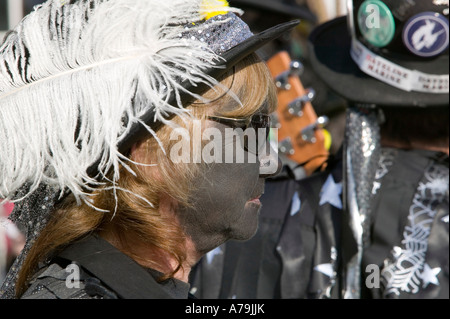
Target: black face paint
{"points": [[225, 200]]}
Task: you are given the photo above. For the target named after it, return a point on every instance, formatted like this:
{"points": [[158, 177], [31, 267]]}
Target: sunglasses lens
{"points": [[255, 140], [261, 121], [255, 133]]}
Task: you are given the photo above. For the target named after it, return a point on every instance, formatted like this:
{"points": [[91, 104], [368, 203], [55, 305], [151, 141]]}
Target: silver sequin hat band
{"points": [[220, 33]]}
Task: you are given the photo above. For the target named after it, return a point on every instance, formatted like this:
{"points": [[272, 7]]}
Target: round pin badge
{"points": [[376, 23], [426, 34]]}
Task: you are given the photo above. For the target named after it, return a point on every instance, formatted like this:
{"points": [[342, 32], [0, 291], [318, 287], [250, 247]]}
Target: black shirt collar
{"points": [[119, 272]]}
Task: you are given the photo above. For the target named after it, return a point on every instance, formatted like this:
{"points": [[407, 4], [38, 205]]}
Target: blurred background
{"points": [[12, 11], [12, 239]]}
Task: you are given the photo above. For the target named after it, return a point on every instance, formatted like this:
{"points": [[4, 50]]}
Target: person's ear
{"points": [[138, 153]]}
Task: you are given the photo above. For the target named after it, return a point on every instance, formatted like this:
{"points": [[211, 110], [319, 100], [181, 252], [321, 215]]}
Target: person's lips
{"points": [[256, 198]]}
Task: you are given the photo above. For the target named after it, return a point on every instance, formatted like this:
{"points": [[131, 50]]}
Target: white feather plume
{"points": [[75, 70]]}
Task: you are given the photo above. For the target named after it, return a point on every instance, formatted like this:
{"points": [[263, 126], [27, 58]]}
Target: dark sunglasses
{"points": [[256, 121]]}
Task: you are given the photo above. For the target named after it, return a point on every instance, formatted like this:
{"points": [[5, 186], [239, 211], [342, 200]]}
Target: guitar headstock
{"points": [[300, 130]]}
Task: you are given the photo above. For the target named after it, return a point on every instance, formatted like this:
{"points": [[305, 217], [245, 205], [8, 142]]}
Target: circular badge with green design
{"points": [[376, 23]]}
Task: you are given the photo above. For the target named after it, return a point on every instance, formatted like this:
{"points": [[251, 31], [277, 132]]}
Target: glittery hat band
{"points": [[220, 33]]}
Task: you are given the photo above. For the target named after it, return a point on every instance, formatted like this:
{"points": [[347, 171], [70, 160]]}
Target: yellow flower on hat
{"points": [[328, 139], [212, 8]]}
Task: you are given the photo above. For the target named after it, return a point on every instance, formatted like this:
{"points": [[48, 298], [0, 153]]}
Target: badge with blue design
{"points": [[376, 23], [426, 34]]}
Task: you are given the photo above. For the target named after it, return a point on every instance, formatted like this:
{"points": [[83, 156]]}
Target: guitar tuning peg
{"points": [[296, 68], [295, 108], [275, 122], [310, 94], [285, 146], [308, 133]]}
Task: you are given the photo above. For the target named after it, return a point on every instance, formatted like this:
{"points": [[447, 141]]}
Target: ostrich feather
{"points": [[76, 75]]}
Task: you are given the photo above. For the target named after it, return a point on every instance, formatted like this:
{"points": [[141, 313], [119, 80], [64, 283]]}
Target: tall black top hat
{"points": [[285, 7], [390, 53]]}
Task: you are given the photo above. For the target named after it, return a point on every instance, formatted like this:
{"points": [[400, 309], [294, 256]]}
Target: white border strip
{"points": [[15, 12], [15, 15]]}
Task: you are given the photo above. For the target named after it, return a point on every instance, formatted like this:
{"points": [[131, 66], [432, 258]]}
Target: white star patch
{"points": [[331, 193], [295, 204], [213, 253], [430, 275], [326, 269]]}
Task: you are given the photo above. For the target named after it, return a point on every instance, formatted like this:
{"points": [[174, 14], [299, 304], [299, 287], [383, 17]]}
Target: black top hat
{"points": [[386, 53], [284, 7]]}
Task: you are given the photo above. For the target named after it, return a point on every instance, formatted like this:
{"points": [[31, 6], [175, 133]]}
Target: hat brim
{"points": [[329, 46], [254, 43], [277, 7], [230, 59]]}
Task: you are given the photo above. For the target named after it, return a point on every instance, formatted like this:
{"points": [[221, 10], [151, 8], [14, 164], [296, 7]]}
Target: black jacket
{"points": [[104, 273], [304, 243]]}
